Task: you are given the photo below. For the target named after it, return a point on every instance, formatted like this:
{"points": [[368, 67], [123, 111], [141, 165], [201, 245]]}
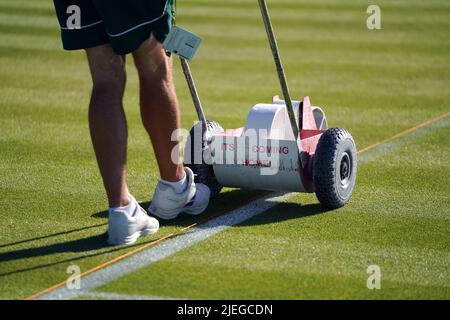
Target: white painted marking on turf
{"points": [[117, 296], [202, 232], [170, 246]]}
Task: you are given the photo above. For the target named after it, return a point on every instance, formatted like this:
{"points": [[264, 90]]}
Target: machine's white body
{"points": [[256, 171], [276, 149], [264, 154]]}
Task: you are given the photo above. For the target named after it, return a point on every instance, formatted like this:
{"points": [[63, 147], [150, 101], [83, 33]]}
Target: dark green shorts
{"points": [[123, 23]]}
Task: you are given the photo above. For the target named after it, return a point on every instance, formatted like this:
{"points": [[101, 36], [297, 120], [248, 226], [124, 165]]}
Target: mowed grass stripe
{"points": [[311, 256], [163, 248], [72, 144], [21, 20], [25, 4], [241, 57], [372, 85], [432, 5], [109, 272], [362, 44], [214, 31], [350, 94], [283, 19], [403, 5], [321, 17], [30, 42], [298, 12], [115, 296], [373, 78], [304, 255]]}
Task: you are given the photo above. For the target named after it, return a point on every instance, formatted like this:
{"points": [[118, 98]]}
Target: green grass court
{"points": [[373, 83]]}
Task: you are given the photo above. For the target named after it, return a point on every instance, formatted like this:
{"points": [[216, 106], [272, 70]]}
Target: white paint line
{"points": [[169, 247], [117, 296], [208, 229]]}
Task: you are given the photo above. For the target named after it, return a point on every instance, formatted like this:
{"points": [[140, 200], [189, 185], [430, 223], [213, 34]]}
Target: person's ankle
{"points": [[179, 186], [122, 202], [179, 175], [127, 206]]}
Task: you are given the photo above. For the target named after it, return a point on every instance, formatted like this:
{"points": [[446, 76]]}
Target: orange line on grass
{"points": [[174, 234], [403, 133], [107, 263], [125, 255]]}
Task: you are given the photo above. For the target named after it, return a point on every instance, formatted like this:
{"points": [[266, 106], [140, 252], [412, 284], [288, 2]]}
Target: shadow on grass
{"points": [[224, 203], [236, 198], [79, 245], [70, 246], [286, 211], [51, 235]]}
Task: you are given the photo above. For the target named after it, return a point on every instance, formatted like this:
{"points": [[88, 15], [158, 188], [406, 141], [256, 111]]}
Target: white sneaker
{"points": [[167, 204], [124, 228]]}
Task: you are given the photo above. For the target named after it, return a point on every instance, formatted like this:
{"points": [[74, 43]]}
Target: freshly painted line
{"points": [[49, 292], [117, 296], [123, 256], [169, 247]]}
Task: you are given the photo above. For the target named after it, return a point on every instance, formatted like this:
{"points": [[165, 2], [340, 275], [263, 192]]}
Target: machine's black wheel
{"points": [[203, 171], [335, 168]]}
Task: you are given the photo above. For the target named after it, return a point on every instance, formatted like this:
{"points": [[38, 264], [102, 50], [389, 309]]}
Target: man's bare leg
{"points": [[159, 104], [107, 121]]}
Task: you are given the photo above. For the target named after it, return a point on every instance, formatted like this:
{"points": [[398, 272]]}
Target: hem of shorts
{"points": [[124, 44], [75, 48], [132, 41], [83, 39]]}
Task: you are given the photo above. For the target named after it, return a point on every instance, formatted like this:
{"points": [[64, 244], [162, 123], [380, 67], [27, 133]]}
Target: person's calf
{"points": [[107, 121], [159, 105]]}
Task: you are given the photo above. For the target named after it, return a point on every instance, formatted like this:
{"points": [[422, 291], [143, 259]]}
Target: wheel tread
{"points": [[204, 173], [325, 167]]}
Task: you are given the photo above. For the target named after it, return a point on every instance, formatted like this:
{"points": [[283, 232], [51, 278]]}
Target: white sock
{"points": [[179, 186], [129, 208]]}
